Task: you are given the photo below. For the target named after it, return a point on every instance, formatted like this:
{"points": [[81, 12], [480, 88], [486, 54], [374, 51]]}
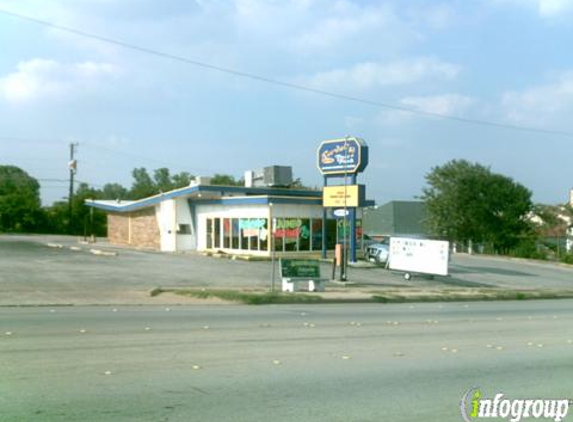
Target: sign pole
{"points": [[343, 275], [272, 242], [324, 240], [353, 228], [342, 158]]}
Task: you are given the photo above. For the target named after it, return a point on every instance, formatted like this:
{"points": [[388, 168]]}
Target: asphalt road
{"points": [[278, 363], [33, 273]]}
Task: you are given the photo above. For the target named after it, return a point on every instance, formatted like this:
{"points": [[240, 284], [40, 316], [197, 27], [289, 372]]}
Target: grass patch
{"points": [[156, 292], [477, 296], [249, 298]]}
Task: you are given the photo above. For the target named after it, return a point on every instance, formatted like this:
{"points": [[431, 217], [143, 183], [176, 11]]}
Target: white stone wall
{"points": [[166, 213], [185, 242]]}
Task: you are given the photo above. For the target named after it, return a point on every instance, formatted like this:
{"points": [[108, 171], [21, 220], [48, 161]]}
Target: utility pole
{"points": [[73, 166]]}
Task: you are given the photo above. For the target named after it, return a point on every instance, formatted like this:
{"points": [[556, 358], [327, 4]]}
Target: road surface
{"points": [[328, 363]]}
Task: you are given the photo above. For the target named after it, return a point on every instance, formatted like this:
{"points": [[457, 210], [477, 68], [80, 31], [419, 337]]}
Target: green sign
{"points": [[300, 268]]}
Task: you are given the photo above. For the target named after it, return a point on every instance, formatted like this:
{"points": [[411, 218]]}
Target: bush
{"points": [[529, 249]]}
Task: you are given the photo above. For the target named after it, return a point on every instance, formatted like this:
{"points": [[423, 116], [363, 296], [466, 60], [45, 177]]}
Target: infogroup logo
{"points": [[474, 406]]}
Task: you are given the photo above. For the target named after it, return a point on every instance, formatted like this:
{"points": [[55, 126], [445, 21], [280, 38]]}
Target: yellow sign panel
{"points": [[334, 196]]}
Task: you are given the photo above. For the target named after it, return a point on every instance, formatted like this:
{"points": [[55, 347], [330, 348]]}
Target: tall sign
{"points": [[342, 156], [346, 158]]}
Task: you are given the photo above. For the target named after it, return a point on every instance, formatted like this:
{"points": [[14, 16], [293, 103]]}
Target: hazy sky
{"points": [[502, 61]]}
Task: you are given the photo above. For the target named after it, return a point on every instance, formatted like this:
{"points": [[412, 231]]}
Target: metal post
{"points": [[353, 227], [343, 275], [324, 240], [271, 242]]}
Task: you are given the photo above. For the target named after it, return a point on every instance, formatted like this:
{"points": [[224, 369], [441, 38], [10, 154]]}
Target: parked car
{"points": [[378, 253], [366, 242]]}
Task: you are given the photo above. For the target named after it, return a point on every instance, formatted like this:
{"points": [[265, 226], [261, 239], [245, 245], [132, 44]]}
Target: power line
{"points": [[67, 181], [129, 154], [110, 150], [277, 82]]}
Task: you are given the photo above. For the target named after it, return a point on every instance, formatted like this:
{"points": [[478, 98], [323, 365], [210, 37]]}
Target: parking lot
{"points": [[34, 273]]}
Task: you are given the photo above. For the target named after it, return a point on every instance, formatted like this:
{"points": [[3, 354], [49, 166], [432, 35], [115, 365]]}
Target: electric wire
{"points": [[277, 82]]}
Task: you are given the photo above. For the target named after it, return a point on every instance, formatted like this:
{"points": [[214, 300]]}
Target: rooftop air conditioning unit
{"points": [[273, 176], [277, 176]]}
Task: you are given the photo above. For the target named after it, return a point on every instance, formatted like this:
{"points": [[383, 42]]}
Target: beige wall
{"points": [[139, 229]]}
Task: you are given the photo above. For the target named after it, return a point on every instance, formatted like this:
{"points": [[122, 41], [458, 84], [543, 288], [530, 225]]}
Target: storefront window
{"points": [[244, 232], [304, 235], [226, 233], [252, 229], [278, 234], [290, 234], [264, 234], [235, 233], [209, 233], [217, 232], [317, 234], [291, 229]]}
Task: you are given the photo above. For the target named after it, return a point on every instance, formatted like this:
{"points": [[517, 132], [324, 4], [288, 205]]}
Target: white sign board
{"points": [[340, 212], [419, 255]]}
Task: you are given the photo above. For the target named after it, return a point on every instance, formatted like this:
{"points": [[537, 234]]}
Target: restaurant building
{"points": [[254, 219]]}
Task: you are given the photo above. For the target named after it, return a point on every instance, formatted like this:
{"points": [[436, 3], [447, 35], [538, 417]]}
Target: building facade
{"points": [[238, 220], [395, 218]]}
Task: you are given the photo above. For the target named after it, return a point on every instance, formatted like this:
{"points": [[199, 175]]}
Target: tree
{"points": [[467, 202], [85, 220], [114, 191], [162, 180], [181, 180], [20, 207], [225, 180], [143, 186]]}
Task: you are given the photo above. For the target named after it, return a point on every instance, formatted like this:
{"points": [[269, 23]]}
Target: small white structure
{"points": [[422, 256]]}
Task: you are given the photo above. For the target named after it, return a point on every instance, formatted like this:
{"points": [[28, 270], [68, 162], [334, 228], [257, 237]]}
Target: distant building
{"points": [[396, 218]]}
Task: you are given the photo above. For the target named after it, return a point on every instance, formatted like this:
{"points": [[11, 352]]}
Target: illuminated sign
{"points": [[340, 196], [342, 156]]}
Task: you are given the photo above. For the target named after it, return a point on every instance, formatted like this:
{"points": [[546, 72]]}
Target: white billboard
{"points": [[419, 255]]}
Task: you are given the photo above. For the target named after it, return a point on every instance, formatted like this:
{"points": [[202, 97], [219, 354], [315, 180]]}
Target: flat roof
{"points": [[215, 193]]}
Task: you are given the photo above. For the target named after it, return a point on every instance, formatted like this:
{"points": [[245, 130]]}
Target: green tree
{"points": [[467, 202], [85, 220], [162, 178], [181, 180], [114, 191], [143, 186], [20, 207], [225, 180]]}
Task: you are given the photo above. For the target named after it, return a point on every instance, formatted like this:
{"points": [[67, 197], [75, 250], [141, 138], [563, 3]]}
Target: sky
{"points": [[506, 62]]}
